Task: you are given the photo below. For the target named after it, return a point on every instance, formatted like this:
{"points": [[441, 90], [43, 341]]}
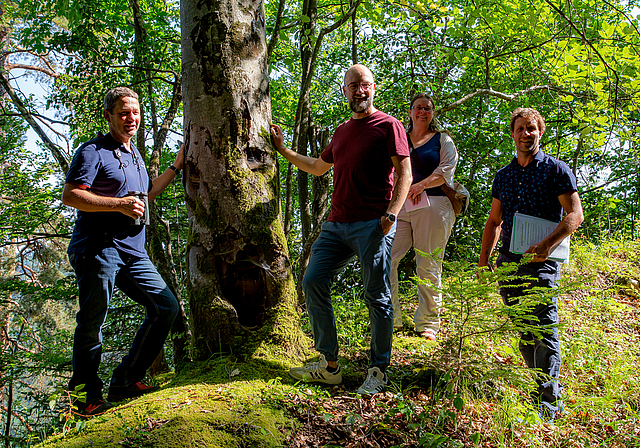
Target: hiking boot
{"points": [[376, 382], [119, 393], [316, 372], [91, 408]]}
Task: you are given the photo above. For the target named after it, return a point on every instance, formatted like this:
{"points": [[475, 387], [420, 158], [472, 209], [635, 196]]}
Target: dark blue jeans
{"points": [[330, 253], [97, 274], [540, 351]]}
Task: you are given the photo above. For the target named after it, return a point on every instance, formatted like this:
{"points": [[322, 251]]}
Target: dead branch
{"points": [[491, 92]]}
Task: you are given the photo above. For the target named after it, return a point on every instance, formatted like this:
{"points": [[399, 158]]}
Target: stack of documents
{"points": [[528, 230]]}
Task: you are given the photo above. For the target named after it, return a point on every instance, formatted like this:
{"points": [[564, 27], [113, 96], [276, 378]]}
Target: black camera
{"points": [[144, 219]]}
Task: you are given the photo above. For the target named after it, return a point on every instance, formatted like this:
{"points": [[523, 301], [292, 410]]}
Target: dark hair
{"points": [[434, 126], [527, 112], [113, 95]]}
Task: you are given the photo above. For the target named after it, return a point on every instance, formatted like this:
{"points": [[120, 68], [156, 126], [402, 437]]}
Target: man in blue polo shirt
{"points": [[109, 185], [538, 185]]}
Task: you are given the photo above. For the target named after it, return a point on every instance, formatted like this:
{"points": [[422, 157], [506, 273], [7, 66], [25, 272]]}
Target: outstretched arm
{"points": [[312, 165], [162, 181]]}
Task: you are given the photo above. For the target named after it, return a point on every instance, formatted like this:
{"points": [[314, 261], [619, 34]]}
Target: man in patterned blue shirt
{"points": [[537, 185]]}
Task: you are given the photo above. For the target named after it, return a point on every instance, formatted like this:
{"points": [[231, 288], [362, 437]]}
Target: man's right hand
{"points": [[386, 225], [312, 165], [131, 206], [278, 137]]}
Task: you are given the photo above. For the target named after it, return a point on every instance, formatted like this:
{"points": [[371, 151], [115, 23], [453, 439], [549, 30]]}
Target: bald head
{"points": [[359, 89], [356, 74]]}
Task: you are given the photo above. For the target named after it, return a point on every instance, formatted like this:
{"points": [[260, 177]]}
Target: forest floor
{"points": [[468, 389]]}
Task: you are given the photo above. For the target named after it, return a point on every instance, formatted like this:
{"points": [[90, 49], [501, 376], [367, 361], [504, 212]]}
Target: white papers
{"points": [[528, 230], [422, 203]]}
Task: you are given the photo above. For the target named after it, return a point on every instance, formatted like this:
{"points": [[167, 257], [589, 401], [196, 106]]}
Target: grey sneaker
{"points": [[316, 372], [376, 382]]}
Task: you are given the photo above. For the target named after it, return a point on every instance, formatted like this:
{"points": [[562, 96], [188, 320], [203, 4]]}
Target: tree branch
{"points": [[590, 190], [33, 68], [39, 116], [491, 92], [588, 42], [56, 151], [176, 99], [276, 29], [324, 32], [40, 237]]}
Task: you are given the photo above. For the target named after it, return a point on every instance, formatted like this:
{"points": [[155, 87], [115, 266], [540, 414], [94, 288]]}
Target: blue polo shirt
{"points": [[96, 166], [532, 190]]}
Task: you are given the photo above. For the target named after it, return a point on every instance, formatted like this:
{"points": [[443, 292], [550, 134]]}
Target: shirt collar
{"points": [[112, 143], [536, 159]]}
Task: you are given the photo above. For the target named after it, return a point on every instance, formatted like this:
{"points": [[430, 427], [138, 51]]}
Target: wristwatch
{"points": [[390, 216], [174, 169]]}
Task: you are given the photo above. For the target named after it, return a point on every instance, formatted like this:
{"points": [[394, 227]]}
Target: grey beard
{"points": [[359, 106]]}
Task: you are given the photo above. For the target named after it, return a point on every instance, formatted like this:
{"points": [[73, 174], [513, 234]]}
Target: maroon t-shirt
{"points": [[361, 152]]}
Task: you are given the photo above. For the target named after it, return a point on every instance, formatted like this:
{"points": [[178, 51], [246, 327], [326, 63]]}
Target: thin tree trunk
{"points": [[276, 28], [288, 206], [354, 38], [321, 185], [319, 207], [303, 112], [158, 232]]}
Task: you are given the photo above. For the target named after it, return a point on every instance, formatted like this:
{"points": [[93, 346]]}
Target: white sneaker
{"points": [[316, 372], [376, 382]]}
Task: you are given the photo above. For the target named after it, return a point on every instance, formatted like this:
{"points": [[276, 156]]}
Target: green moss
{"points": [[213, 415], [266, 136]]}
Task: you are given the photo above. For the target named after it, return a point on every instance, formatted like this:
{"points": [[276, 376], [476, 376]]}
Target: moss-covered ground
{"points": [[435, 399]]}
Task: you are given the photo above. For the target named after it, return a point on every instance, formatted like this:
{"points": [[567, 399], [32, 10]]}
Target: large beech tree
{"points": [[239, 280]]}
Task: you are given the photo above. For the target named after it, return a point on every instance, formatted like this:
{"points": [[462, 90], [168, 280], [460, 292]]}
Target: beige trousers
{"points": [[426, 229]]}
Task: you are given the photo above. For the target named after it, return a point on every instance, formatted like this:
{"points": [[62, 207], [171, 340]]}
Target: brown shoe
{"points": [[119, 393], [92, 408]]}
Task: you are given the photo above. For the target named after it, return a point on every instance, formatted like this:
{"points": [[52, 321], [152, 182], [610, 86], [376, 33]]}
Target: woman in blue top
{"points": [[426, 219]]}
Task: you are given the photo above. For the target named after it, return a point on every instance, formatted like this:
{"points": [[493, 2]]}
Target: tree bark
{"points": [[288, 205], [303, 112], [239, 281], [354, 38], [320, 186]]}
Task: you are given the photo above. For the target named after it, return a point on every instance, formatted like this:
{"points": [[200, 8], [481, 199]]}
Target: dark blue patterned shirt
{"points": [[532, 190]]}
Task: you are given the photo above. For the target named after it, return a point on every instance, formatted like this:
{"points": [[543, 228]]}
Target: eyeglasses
{"points": [[423, 109], [365, 86]]}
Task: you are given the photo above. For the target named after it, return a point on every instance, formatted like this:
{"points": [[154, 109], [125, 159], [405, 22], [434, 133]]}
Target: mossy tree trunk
{"points": [[239, 281]]}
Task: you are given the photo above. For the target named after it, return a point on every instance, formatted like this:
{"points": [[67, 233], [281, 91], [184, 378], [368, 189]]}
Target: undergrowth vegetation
{"points": [[470, 388]]}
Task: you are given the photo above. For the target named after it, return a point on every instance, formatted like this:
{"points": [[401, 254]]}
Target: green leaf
{"points": [[80, 425], [458, 403]]}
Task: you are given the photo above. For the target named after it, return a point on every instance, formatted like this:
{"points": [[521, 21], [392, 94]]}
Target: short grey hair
{"points": [[113, 95]]}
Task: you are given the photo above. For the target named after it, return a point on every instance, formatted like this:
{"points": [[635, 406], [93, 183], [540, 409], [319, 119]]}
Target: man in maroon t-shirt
{"points": [[364, 152]]}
